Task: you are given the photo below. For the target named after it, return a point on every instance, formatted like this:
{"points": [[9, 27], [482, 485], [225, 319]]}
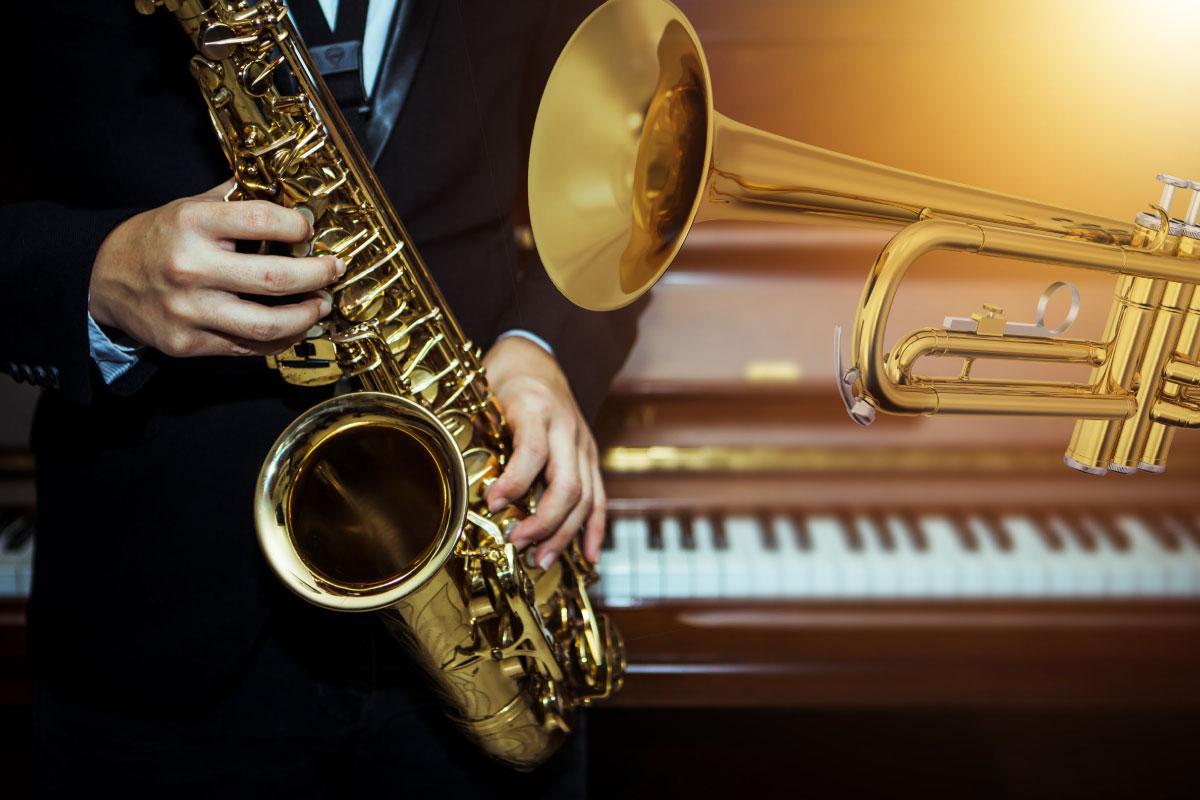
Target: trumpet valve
{"points": [[1170, 184]]}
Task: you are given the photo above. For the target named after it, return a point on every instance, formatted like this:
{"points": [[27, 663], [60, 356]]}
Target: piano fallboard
{"points": [[932, 654]]}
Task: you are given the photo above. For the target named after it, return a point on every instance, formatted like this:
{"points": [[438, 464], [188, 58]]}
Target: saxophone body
{"points": [[373, 500]]}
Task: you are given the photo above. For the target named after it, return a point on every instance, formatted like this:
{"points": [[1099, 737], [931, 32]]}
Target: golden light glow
{"points": [[1073, 103]]}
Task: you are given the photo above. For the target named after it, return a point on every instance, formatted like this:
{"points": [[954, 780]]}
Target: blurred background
{"points": [[930, 606]]}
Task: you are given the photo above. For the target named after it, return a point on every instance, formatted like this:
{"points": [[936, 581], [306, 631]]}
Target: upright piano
{"points": [[765, 551], [928, 606]]}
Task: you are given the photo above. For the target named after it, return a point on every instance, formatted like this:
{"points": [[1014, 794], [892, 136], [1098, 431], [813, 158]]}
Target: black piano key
{"points": [[964, 533], [656, 536], [999, 533], [1079, 534], [1162, 530], [607, 545], [883, 531], [1185, 531], [800, 525], [8, 519], [1107, 532], [915, 532], [769, 540], [854, 539], [1047, 533], [720, 539], [687, 535], [17, 533]]}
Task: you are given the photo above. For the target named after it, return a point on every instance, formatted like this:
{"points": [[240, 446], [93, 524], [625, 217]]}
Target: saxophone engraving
{"points": [[374, 500]]}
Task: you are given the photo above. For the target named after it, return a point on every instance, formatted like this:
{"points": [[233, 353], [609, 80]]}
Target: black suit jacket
{"points": [[148, 584]]}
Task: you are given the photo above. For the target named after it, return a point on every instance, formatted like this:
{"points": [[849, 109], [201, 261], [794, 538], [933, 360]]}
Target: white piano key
{"points": [[1063, 564], [1159, 573], [738, 573], [912, 579], [617, 565], [1029, 557], [708, 562], [943, 557], [647, 566], [831, 554], [15, 562], [747, 544], [677, 560], [973, 570], [795, 561], [1089, 570], [1122, 575], [882, 578], [1001, 579], [1188, 555]]}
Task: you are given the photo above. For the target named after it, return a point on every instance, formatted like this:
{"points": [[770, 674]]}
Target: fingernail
{"points": [[340, 266], [326, 302], [315, 332], [547, 560], [496, 503]]}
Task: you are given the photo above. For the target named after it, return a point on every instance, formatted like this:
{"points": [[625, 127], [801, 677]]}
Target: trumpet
{"points": [[629, 153]]}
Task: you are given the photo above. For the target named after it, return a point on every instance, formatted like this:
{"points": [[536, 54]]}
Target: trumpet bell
{"points": [[621, 150]]}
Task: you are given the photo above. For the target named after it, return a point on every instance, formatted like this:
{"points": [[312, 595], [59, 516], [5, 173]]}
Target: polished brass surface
{"points": [[374, 499], [629, 153], [353, 523]]}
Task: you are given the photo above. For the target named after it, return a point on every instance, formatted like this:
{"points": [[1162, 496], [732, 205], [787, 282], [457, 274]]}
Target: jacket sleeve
{"points": [[46, 255], [590, 346]]}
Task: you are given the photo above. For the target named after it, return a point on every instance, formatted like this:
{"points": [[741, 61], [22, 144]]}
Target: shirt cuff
{"points": [[112, 359], [524, 334]]}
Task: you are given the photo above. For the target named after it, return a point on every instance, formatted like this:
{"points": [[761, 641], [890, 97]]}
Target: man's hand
{"points": [[170, 278], [550, 435]]}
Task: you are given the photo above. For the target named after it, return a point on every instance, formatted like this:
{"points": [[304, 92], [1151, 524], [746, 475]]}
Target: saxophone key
{"points": [[483, 468], [459, 425], [423, 384], [257, 75]]}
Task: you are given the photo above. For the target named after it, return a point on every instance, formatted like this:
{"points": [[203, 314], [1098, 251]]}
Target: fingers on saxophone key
{"points": [[565, 490], [248, 220], [277, 275], [269, 325], [579, 496], [530, 450]]}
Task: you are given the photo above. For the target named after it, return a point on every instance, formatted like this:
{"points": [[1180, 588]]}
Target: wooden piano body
{"points": [[930, 606], [1032, 584]]}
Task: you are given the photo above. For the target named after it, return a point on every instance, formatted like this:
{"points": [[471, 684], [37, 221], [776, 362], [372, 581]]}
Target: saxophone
{"points": [[373, 500]]}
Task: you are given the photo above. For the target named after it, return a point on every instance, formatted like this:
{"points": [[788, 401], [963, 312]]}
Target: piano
{"points": [[765, 552], [923, 605]]}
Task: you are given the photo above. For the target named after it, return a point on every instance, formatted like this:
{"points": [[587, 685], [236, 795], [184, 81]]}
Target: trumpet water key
{"points": [[374, 500], [629, 153]]}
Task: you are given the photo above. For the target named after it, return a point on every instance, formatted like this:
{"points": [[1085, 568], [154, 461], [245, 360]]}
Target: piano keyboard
{"points": [[16, 554], [896, 556]]}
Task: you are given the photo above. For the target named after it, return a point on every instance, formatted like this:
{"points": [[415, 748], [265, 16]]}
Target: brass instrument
{"points": [[629, 153], [374, 499]]}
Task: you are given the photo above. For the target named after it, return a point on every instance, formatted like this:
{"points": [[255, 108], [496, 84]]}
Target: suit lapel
{"points": [[412, 22]]}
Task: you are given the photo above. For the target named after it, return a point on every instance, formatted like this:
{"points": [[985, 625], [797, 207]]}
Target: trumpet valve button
{"points": [[1170, 184], [1193, 209]]}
